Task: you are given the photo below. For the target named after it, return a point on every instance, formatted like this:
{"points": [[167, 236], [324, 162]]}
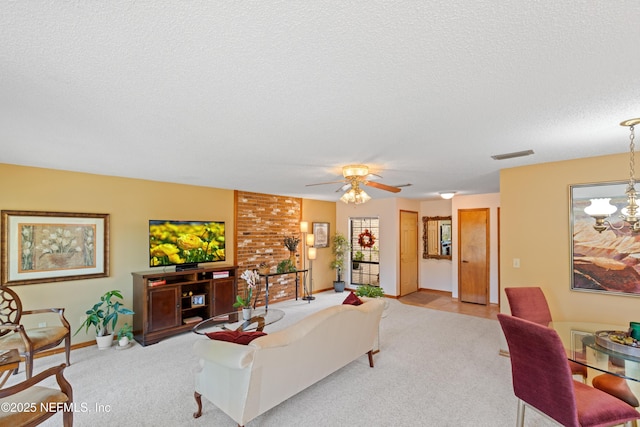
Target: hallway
{"points": [[440, 300]]}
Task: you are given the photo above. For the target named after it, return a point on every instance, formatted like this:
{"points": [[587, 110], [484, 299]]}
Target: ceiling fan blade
{"points": [[324, 183], [344, 188], [382, 186]]}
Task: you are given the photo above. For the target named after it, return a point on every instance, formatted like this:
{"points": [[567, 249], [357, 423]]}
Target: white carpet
{"points": [[434, 369]]}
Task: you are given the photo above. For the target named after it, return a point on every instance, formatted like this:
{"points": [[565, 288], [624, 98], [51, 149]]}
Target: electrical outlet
{"points": [[516, 263], [42, 325]]}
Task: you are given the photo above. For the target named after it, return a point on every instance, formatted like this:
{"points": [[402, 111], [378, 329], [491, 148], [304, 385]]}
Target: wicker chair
{"points": [[37, 403], [29, 341]]}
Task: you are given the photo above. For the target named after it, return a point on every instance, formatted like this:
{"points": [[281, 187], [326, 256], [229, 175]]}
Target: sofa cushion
{"points": [[238, 337], [352, 299]]}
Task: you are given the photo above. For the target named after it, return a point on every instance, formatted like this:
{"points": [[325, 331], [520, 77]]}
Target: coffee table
{"points": [[259, 319]]}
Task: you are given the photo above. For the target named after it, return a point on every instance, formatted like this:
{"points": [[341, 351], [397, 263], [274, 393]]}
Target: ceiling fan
{"points": [[354, 177]]}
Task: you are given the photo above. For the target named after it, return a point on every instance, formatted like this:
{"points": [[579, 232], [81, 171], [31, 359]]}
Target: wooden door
{"points": [[164, 308], [408, 252], [473, 255]]}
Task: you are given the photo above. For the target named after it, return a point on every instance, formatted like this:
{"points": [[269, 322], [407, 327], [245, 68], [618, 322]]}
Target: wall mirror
{"points": [[436, 237]]}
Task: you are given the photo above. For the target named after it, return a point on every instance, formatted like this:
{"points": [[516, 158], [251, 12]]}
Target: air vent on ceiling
{"points": [[512, 155]]}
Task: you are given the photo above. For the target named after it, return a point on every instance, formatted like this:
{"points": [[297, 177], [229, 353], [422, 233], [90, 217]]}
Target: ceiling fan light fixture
{"points": [[447, 194], [349, 197], [355, 170], [362, 197]]}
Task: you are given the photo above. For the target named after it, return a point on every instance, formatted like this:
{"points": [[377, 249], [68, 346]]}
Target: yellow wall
{"points": [[535, 228], [318, 211], [130, 204]]}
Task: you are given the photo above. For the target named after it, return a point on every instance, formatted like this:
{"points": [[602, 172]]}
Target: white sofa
{"points": [[245, 381]]}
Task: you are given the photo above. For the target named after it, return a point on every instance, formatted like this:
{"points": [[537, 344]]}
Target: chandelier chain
{"points": [[632, 162]]}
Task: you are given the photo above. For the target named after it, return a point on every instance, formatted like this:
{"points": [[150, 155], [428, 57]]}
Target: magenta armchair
{"points": [[542, 380]]}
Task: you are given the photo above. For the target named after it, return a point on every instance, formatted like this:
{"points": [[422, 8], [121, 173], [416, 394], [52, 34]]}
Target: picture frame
{"points": [[605, 262], [321, 234], [46, 247], [197, 301]]}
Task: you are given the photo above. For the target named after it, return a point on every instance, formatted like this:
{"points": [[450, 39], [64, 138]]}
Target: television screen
{"points": [[182, 243]]}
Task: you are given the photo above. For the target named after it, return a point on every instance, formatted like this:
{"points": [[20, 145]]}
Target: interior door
{"points": [[473, 255], [408, 252]]}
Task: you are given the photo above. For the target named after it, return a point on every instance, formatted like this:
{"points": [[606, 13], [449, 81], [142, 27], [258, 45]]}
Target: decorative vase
{"points": [[246, 313], [104, 342], [124, 341], [292, 257]]}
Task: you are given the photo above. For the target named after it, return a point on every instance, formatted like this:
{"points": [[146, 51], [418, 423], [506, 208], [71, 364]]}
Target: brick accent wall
{"points": [[262, 222]]}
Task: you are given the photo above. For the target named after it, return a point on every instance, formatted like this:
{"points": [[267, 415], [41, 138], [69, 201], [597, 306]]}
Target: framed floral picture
{"points": [[41, 247]]}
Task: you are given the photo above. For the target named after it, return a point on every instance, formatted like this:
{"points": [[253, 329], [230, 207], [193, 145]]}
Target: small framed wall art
{"points": [[41, 247], [321, 234]]}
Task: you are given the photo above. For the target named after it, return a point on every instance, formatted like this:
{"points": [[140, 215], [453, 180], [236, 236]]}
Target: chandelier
{"points": [[355, 195], [601, 209]]}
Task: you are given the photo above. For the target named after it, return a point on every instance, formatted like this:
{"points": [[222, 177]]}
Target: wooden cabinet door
{"points": [[224, 295], [164, 308]]}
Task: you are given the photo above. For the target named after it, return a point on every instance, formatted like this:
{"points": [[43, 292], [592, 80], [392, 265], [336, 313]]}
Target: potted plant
{"points": [[252, 278], [370, 291], [291, 243], [286, 266], [357, 257], [125, 335], [339, 247], [103, 316]]}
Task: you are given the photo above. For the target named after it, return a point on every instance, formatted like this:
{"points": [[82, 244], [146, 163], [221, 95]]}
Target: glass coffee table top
{"points": [[233, 321]]}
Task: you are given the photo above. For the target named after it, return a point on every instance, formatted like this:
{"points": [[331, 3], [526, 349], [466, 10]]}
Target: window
{"points": [[365, 246]]}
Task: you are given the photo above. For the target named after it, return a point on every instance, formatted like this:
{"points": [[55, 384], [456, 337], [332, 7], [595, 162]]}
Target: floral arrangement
{"points": [[252, 278], [366, 239], [291, 243]]}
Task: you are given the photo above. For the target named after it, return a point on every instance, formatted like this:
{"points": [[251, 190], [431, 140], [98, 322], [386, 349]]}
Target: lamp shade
{"points": [[600, 207], [361, 197], [447, 194], [304, 227], [311, 239], [311, 254]]}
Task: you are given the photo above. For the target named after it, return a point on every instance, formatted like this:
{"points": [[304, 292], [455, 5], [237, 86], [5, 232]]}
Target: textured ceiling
{"points": [[268, 96]]}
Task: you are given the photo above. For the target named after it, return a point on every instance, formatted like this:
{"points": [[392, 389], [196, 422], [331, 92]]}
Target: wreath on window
{"points": [[366, 239]]}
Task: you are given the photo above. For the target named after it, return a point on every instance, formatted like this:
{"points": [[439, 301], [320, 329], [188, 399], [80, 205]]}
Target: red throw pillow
{"points": [[237, 337], [352, 299]]}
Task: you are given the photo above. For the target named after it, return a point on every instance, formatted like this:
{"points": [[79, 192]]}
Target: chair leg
{"points": [[67, 418], [67, 348], [198, 398], [28, 365], [520, 418]]}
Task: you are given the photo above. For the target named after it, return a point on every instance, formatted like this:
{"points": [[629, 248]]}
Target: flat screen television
{"points": [[184, 244]]}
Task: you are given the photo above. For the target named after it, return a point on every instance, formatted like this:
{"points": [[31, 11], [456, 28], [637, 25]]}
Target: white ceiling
{"points": [[268, 96]]}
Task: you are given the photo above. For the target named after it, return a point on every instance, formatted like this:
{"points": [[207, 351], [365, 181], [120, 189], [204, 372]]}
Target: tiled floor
{"points": [[439, 300]]}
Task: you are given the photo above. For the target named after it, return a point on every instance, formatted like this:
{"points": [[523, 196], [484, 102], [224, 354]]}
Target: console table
{"points": [[266, 286]]}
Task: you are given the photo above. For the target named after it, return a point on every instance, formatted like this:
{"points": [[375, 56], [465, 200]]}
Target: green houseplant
{"points": [[125, 335], [103, 316], [370, 291], [357, 257], [285, 266], [339, 248]]}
